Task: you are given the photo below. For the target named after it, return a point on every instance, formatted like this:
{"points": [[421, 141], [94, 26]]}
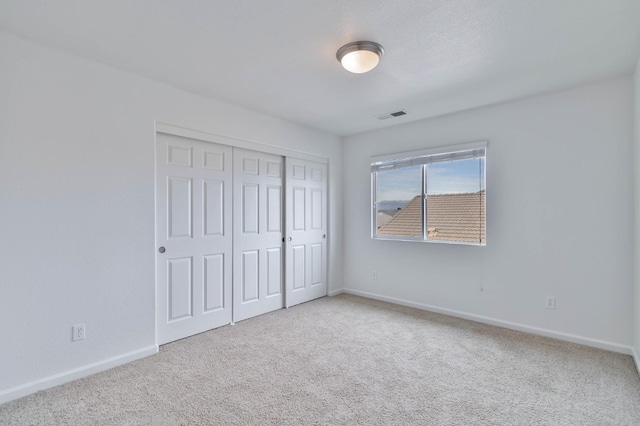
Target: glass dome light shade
{"points": [[360, 61], [360, 56]]}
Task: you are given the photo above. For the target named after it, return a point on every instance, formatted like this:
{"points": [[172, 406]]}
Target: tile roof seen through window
{"points": [[407, 222], [450, 217]]}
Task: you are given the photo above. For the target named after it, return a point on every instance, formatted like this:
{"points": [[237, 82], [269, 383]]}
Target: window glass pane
{"points": [[456, 201], [399, 202]]}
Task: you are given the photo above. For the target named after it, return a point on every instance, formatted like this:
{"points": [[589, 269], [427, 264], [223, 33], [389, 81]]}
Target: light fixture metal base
{"points": [[371, 46]]}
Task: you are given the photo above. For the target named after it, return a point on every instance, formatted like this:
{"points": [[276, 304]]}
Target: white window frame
{"points": [[424, 157]]}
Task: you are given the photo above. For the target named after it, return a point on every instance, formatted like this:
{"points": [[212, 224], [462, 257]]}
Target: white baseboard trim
{"points": [[335, 292], [587, 341], [77, 373], [636, 360]]}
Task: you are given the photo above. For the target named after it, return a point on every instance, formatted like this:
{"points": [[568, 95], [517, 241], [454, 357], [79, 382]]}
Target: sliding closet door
{"points": [[257, 233], [306, 230], [193, 234]]}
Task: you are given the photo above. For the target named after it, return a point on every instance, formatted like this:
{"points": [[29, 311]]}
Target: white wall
{"points": [[559, 217], [77, 206], [636, 257]]}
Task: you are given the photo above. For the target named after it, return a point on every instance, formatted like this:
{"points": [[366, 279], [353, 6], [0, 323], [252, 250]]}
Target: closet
{"points": [[239, 232]]}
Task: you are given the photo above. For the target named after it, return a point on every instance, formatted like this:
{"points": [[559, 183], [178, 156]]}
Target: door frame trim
{"points": [[235, 142]]}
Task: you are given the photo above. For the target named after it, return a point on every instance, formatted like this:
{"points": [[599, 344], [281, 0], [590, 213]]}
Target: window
{"points": [[435, 195]]}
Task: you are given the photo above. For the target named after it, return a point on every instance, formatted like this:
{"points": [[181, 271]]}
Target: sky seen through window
{"points": [[451, 177]]}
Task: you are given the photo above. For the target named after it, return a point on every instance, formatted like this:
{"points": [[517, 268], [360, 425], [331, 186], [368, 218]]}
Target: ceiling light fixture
{"points": [[360, 56]]}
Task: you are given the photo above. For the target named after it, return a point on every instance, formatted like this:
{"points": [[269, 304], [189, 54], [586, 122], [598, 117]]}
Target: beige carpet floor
{"points": [[348, 360]]}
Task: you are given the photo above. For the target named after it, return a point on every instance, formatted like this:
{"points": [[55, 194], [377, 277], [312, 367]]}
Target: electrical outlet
{"points": [[77, 332], [550, 302], [374, 275]]}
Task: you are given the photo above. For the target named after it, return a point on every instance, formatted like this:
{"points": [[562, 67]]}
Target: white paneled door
{"points": [[306, 231], [222, 214], [257, 233], [194, 236]]}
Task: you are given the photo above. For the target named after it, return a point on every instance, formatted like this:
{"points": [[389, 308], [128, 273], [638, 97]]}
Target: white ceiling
{"points": [[278, 56]]}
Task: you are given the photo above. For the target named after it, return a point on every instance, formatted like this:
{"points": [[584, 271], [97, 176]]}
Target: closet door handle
{"points": [[324, 236], [161, 249], [289, 239]]}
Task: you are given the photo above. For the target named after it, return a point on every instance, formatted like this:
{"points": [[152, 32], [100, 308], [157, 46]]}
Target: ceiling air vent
{"points": [[391, 115]]}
